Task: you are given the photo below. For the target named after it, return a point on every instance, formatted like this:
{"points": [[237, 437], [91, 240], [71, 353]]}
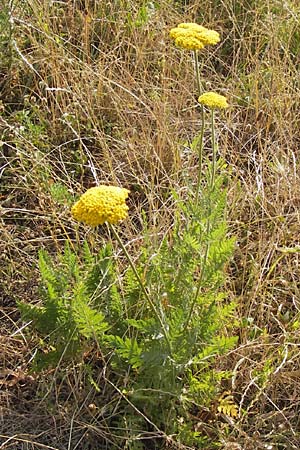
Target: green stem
{"points": [[199, 84], [200, 154], [144, 290], [212, 182], [198, 288], [214, 150]]}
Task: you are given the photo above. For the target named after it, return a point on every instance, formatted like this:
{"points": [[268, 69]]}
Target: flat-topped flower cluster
{"points": [[192, 36], [213, 100], [101, 204]]}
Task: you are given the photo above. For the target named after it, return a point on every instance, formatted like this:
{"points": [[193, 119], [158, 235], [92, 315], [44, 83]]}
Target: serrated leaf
{"points": [[227, 405], [89, 322]]}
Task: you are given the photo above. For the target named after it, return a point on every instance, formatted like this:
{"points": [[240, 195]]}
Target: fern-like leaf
{"points": [[90, 323]]}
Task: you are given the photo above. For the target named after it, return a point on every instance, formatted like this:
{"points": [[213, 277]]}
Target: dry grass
{"points": [[96, 91]]}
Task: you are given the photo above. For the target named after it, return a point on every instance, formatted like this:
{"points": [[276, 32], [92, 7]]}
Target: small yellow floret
{"points": [[175, 33], [189, 42], [192, 36], [209, 37], [213, 100], [101, 204]]}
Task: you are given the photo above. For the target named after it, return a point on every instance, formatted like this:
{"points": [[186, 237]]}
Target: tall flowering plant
{"points": [[160, 317]]}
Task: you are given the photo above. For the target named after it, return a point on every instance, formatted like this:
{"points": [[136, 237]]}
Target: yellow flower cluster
{"points": [[192, 36], [101, 204], [213, 100]]}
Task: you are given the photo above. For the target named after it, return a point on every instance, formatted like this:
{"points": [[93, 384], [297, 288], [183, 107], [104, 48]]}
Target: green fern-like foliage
{"points": [[167, 345], [184, 276], [79, 301], [184, 279]]}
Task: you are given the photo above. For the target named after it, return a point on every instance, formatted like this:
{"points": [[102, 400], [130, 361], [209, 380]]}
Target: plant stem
{"points": [[214, 150], [199, 85], [198, 287], [200, 154], [212, 182], [144, 290]]}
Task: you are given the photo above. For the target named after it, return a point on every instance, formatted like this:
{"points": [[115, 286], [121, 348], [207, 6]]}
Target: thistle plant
{"points": [[161, 316]]}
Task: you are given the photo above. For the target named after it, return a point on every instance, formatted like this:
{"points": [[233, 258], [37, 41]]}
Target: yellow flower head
{"points": [[208, 37], [192, 36], [189, 41], [101, 204], [213, 100]]}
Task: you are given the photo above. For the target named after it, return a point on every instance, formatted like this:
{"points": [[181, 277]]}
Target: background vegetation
{"points": [[96, 91]]}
